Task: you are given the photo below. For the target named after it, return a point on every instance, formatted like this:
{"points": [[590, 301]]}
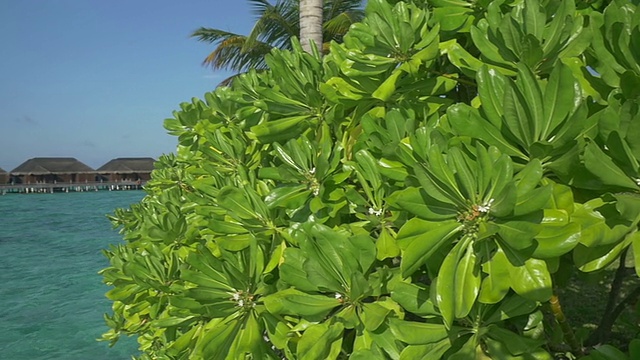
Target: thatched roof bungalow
{"points": [[4, 176], [52, 170], [127, 169]]}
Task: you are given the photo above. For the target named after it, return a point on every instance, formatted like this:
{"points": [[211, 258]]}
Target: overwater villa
{"points": [[126, 169], [49, 170], [49, 175]]}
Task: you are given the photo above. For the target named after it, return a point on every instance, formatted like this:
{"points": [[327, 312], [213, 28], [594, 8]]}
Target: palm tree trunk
{"points": [[311, 24]]}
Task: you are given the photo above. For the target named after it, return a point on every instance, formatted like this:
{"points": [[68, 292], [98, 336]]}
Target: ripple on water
{"points": [[51, 298]]}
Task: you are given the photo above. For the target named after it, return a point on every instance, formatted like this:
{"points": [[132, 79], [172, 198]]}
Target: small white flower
{"points": [[236, 296], [375, 212], [312, 171], [338, 296], [637, 181], [240, 303], [484, 208]]}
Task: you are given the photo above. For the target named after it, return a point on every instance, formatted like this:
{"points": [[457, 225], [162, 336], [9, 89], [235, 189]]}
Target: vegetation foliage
{"points": [[275, 25], [418, 193]]}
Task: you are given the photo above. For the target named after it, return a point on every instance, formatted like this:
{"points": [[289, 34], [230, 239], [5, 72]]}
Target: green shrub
{"points": [[418, 193]]}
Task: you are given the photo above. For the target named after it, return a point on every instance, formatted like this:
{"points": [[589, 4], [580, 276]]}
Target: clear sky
{"points": [[95, 79]]}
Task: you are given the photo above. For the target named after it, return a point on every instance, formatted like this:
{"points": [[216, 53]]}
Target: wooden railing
{"points": [[70, 187]]}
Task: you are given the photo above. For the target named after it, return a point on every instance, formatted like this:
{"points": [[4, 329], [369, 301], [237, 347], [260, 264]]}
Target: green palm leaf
{"points": [[275, 26]]}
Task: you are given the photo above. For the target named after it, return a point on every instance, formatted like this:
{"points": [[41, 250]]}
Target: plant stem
{"points": [[629, 299], [569, 336], [603, 332]]}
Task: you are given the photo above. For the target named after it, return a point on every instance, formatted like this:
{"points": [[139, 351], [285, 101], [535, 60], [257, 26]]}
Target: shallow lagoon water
{"points": [[51, 297]]}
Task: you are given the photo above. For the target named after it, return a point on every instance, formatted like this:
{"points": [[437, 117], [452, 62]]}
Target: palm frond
{"points": [[333, 8], [212, 35], [276, 23], [337, 26], [231, 54]]}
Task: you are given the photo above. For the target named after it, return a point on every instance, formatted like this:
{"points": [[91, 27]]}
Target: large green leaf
{"points": [[518, 117], [373, 315], [460, 57], [281, 129], [324, 247], [458, 282], [294, 271], [428, 351], [249, 340], [420, 239], [211, 267], [237, 203], [388, 87], [601, 223], [453, 18], [386, 245], [217, 339], [516, 344], [414, 298], [465, 175], [491, 86], [495, 285], [602, 167], [530, 278], [556, 239], [493, 53], [512, 306], [415, 333], [528, 86], [595, 258], [518, 232], [560, 96], [466, 121], [320, 342], [294, 302]]}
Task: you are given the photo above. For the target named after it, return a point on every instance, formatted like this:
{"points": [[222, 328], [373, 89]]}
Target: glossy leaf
{"points": [[294, 302], [494, 287], [458, 282], [420, 239], [532, 280], [413, 298], [428, 351], [414, 333], [320, 341]]}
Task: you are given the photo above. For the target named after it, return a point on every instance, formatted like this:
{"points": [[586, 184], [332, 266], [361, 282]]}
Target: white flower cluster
{"points": [[242, 298], [486, 206]]}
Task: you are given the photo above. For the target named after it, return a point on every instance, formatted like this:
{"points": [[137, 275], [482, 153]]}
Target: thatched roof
{"points": [[128, 165], [43, 166]]}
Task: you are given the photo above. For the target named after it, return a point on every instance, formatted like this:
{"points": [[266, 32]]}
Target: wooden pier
{"points": [[50, 188]]}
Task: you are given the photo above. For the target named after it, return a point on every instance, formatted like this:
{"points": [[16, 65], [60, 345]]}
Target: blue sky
{"points": [[95, 79]]}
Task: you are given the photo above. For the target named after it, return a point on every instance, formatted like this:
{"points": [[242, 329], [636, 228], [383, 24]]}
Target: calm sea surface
{"points": [[51, 297]]}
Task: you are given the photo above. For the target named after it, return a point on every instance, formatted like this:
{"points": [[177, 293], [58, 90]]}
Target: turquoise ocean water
{"points": [[51, 296]]}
